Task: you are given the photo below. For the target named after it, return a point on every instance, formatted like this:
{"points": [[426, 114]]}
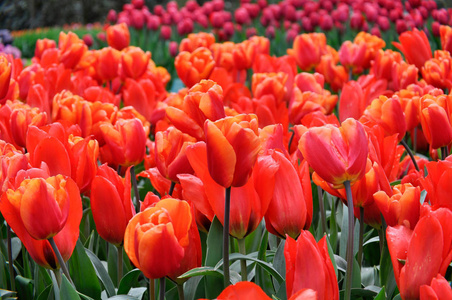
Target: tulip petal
{"points": [[51, 151]]}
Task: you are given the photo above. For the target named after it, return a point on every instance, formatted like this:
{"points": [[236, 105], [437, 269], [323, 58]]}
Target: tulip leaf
{"points": [[47, 293], [128, 281], [24, 287], [262, 278], [265, 265], [6, 293], [101, 273], [42, 279], [191, 286], [67, 291], [16, 246], [123, 297], [279, 263], [359, 293], [333, 222], [213, 284], [381, 295], [202, 271], [83, 272]]}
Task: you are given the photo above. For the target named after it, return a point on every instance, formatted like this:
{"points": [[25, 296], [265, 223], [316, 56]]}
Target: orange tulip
{"points": [[203, 101], [170, 156], [269, 84], [336, 154], [294, 197], [125, 142], [72, 49], [305, 256], [419, 255], [155, 239], [353, 56], [445, 33], [192, 67], [42, 45], [402, 207], [334, 74], [436, 183], [435, 121], [232, 148], [437, 71], [141, 94], [22, 209], [196, 40], [415, 47], [382, 65], [308, 49], [373, 45], [134, 62], [244, 54], [111, 204], [403, 75], [118, 36], [108, 59], [387, 113]]}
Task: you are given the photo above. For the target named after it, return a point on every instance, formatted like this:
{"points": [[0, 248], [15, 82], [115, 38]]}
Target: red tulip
{"points": [[72, 49], [111, 204], [243, 290], [336, 154], [415, 47], [22, 209], [436, 183], [118, 36], [308, 48], [435, 120], [192, 67], [155, 239], [304, 257], [134, 62], [5, 76], [438, 289]]}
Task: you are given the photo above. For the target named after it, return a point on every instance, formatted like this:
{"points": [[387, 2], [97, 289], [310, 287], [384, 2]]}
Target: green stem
{"points": [[361, 235], [171, 189], [410, 153], [60, 259], [227, 204], [151, 289], [291, 140], [322, 209], [162, 288], [58, 278], [135, 188], [381, 234], [443, 152], [242, 250], [10, 259], [351, 226], [120, 262], [180, 291]]}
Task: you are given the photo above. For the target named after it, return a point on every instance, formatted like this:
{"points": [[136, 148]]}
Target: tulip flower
{"points": [[22, 209], [170, 156], [425, 251], [438, 289], [308, 48], [402, 207], [196, 40], [192, 67], [435, 121], [403, 75], [334, 74], [436, 183], [72, 49], [203, 101], [336, 154], [42, 45], [125, 142], [134, 62], [155, 239], [108, 59], [415, 47], [5, 76], [308, 265], [446, 37], [294, 197], [111, 204], [269, 84], [118, 36], [243, 290], [232, 148], [382, 65], [244, 55]]}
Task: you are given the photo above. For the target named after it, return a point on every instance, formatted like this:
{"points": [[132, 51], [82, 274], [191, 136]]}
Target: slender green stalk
{"points": [[120, 262], [242, 250], [180, 291], [410, 153], [171, 189], [351, 226], [227, 205], [322, 209], [151, 289], [58, 277], [361, 236], [381, 234], [443, 152], [162, 288], [10, 259], [60, 259], [135, 188]]}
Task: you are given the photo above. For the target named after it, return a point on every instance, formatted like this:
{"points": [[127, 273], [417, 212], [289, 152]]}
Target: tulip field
{"points": [[270, 150]]}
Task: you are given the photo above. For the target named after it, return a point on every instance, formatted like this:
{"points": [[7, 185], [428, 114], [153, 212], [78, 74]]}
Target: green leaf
{"points": [[262, 278], [359, 293], [191, 286], [333, 223], [381, 295], [67, 291], [128, 281], [83, 273], [202, 271], [47, 294], [279, 263], [112, 262], [268, 267], [16, 246], [6, 293], [213, 284], [123, 297], [42, 279], [101, 273], [24, 287], [331, 254]]}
